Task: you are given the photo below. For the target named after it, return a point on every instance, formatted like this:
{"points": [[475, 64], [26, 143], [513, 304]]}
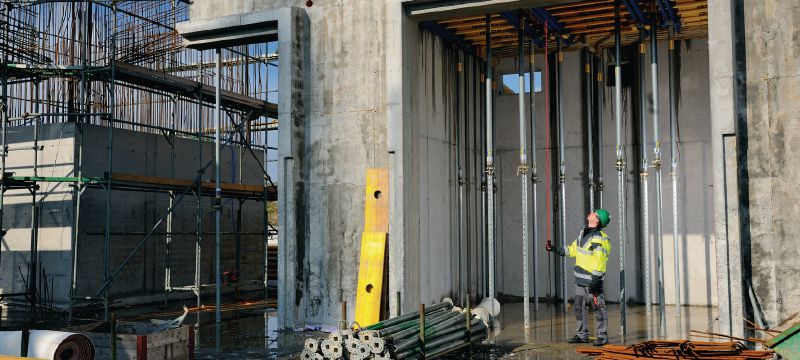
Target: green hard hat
{"points": [[603, 215]]}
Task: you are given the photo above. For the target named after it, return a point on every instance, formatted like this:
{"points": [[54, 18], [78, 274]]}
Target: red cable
{"points": [[548, 150]]}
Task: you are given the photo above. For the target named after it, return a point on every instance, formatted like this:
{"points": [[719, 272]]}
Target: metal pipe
{"points": [[522, 171], [217, 190], [587, 69], [460, 174], [643, 173], [198, 247], [490, 159], [3, 118], [406, 317], [600, 98], [534, 175], [265, 220], [673, 125], [562, 166], [482, 159], [109, 164], [35, 210], [468, 173], [620, 150], [657, 165]]}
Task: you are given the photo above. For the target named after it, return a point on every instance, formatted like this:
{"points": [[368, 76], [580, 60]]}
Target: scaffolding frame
{"points": [[33, 66]]}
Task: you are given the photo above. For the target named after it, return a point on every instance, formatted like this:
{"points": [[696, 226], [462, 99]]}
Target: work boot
{"points": [[600, 342], [577, 340]]}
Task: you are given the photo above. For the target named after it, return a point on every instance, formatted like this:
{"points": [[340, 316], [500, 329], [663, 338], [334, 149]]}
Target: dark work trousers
{"points": [[583, 299]]}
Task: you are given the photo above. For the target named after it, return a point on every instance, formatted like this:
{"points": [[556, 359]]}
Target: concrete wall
{"points": [[695, 183], [340, 132], [56, 209], [755, 112], [431, 176], [132, 212]]}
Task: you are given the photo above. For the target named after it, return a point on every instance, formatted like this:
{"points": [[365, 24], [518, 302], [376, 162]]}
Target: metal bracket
{"points": [[489, 170], [522, 169], [657, 163], [620, 164]]}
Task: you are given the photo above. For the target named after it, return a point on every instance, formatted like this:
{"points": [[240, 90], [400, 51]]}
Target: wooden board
{"points": [[370, 278]]}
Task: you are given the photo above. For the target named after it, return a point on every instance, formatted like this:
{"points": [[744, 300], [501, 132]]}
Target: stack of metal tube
{"points": [[446, 329]]}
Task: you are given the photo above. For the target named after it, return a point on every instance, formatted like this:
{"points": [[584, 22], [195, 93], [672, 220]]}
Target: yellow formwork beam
{"points": [[370, 278], [373, 247]]}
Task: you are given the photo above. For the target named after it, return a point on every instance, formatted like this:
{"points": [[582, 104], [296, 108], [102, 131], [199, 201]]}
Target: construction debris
{"points": [[447, 328], [680, 349]]}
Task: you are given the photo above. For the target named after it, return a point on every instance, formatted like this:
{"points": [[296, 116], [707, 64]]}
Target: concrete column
{"points": [[292, 28], [723, 144]]}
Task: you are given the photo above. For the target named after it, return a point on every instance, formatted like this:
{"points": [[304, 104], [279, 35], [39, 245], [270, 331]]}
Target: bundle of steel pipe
{"points": [[446, 329], [681, 349]]}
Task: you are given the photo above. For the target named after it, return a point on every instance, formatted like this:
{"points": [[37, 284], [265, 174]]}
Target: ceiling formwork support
{"points": [[522, 172], [643, 183], [462, 256], [534, 174], [598, 65], [662, 322], [490, 166], [673, 122], [620, 164], [562, 166], [588, 112]]}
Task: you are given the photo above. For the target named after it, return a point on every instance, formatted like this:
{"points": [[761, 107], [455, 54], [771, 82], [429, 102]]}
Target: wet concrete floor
{"points": [[251, 334]]}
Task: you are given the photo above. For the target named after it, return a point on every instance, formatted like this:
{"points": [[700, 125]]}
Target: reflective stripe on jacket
{"points": [[591, 255]]}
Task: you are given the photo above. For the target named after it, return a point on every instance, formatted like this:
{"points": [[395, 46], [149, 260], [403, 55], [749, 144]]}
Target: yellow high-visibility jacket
{"points": [[591, 252]]}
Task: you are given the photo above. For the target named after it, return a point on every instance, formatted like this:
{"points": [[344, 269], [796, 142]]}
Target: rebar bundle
{"points": [[446, 329], [681, 349]]}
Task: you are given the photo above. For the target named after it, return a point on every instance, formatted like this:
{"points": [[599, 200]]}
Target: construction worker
{"points": [[590, 250]]}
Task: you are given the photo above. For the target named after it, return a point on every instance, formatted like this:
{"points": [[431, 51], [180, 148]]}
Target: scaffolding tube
{"points": [[534, 175], [199, 211], [490, 164], [662, 319], [109, 166], [673, 125], [217, 189], [620, 151], [587, 69], [522, 171], [3, 120], [562, 176], [643, 173]]}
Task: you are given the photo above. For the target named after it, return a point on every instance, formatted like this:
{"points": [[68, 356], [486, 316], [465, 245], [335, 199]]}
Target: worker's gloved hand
{"points": [[596, 286]]}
